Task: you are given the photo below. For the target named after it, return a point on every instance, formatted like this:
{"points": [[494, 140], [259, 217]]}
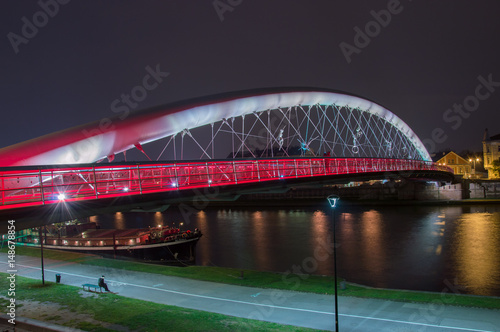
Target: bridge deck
{"points": [[23, 187]]}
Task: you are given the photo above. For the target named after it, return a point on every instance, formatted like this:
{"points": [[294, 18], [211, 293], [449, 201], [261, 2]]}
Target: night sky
{"points": [[433, 63]]}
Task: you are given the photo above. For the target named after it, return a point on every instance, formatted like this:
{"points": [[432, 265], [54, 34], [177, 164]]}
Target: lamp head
{"points": [[332, 200]]}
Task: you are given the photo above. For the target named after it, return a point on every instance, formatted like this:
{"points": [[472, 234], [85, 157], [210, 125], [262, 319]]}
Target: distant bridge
{"points": [[249, 140]]}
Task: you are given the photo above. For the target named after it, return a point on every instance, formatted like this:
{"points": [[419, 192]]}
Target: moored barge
{"points": [[153, 244]]}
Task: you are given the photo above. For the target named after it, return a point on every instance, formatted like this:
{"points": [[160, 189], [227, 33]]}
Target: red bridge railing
{"points": [[24, 187]]}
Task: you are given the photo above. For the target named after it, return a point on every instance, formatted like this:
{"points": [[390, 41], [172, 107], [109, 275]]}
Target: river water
{"points": [[429, 248]]}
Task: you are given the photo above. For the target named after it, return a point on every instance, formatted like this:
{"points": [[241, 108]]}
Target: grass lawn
{"points": [[303, 283], [136, 315]]}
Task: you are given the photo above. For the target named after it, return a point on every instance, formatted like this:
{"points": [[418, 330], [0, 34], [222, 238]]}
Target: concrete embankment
{"points": [[389, 193]]}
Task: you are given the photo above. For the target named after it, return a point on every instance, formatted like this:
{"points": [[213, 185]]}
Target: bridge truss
{"points": [[312, 130]]}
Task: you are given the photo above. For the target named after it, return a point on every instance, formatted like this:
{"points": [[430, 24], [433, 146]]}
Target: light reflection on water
{"points": [[476, 251], [407, 247]]}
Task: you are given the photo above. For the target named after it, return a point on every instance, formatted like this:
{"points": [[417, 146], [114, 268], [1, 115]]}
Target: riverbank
{"points": [[71, 307], [294, 282], [460, 202], [319, 201], [300, 309]]}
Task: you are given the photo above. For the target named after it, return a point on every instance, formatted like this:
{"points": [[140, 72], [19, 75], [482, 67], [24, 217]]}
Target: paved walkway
{"points": [[284, 307]]}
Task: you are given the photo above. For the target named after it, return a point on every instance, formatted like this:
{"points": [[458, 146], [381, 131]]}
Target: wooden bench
{"points": [[96, 288]]}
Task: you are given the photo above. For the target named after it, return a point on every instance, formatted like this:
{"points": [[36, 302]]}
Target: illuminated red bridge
{"points": [[250, 140], [29, 186]]}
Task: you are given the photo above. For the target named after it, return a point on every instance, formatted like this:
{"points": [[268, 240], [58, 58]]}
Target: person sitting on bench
{"points": [[103, 284]]}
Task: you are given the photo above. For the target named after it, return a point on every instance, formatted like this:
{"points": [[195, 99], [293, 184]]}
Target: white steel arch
{"points": [[92, 142]]}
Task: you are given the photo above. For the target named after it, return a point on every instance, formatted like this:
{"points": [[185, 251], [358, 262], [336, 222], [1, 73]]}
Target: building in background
{"points": [[491, 152], [460, 166]]}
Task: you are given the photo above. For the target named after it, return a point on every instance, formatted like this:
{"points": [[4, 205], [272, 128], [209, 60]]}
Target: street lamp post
{"points": [[332, 200], [474, 160], [40, 235], [43, 237]]}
